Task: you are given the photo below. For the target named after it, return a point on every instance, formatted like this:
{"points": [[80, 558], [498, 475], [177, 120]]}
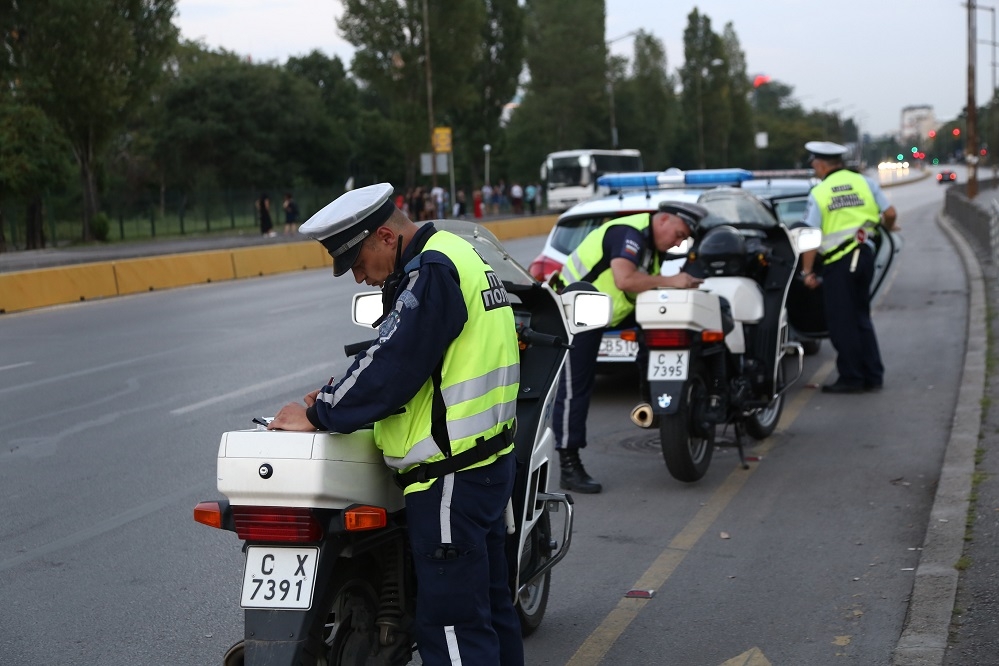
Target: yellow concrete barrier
{"points": [[520, 227], [172, 270], [24, 290], [284, 258]]}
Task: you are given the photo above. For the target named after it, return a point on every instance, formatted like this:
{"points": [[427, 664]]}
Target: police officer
{"points": [[849, 209], [440, 386], [620, 258]]}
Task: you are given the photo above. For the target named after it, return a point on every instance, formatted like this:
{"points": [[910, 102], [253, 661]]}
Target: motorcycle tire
{"points": [[762, 422], [687, 449], [533, 601], [351, 635]]}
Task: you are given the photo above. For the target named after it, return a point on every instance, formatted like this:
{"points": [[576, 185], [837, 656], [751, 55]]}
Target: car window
{"points": [[568, 234]]}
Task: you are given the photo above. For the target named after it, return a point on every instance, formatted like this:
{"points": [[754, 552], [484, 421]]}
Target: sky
{"points": [[863, 59]]}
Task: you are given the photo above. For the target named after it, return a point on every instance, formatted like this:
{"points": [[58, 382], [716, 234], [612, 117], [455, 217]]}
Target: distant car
{"points": [[642, 193], [946, 176]]}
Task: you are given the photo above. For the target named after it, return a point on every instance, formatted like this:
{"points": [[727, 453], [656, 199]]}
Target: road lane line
{"points": [[16, 365], [315, 370], [600, 641]]}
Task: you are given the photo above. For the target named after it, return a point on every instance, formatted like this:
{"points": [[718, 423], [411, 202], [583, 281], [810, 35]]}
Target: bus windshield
{"points": [[570, 176]]}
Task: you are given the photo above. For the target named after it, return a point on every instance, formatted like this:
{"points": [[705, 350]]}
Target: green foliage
{"points": [[100, 227]]}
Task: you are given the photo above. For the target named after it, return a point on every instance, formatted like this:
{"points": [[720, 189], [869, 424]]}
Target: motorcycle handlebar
{"points": [[532, 337]]}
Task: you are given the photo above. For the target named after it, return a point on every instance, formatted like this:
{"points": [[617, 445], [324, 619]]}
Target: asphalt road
{"points": [[111, 412]]}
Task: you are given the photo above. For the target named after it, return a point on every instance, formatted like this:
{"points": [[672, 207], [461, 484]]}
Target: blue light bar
{"points": [[717, 176], [674, 178]]}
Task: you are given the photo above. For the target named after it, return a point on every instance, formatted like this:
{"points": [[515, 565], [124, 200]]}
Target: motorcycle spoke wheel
{"points": [[687, 450], [761, 423], [533, 601]]}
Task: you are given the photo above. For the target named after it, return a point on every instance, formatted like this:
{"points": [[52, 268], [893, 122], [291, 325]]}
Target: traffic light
{"points": [[900, 157], [983, 152], [933, 134], [956, 132]]}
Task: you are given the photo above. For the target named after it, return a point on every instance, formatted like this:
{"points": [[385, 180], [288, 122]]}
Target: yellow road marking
{"points": [[753, 657], [598, 643]]}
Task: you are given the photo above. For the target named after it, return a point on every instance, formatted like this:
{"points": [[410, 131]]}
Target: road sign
{"points": [[442, 139]]}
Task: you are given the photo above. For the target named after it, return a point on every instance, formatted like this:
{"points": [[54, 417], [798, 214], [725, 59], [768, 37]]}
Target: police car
{"points": [[627, 194]]}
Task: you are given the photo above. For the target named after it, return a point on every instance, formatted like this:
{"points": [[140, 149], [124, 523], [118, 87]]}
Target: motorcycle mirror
{"points": [[366, 308], [806, 238], [586, 310]]}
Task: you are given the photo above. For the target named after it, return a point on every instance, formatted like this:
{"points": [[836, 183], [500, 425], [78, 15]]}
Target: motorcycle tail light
{"points": [[276, 523], [668, 338], [208, 513], [712, 336], [360, 518]]}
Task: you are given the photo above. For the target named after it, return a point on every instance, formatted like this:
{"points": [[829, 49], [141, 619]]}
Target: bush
{"points": [[100, 227]]}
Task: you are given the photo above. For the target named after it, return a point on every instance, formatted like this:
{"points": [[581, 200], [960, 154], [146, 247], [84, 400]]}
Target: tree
{"points": [[88, 64], [646, 106], [706, 97], [33, 157], [740, 147]]}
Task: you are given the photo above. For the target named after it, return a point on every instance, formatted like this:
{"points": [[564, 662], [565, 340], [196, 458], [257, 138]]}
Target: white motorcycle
{"points": [[328, 576], [714, 357]]}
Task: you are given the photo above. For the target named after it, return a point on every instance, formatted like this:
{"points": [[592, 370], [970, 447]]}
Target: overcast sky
{"points": [[866, 59]]}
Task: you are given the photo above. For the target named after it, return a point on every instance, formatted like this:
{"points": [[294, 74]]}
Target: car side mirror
{"points": [[366, 308], [806, 238], [586, 310]]}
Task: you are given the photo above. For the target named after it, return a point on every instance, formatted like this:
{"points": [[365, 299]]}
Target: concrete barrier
{"points": [[26, 290], [172, 270], [40, 288]]}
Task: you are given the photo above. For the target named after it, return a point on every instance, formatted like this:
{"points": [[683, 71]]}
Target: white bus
{"points": [[570, 176]]}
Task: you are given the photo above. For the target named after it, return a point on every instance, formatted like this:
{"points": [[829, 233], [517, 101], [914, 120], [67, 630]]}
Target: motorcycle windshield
{"points": [[489, 248]]}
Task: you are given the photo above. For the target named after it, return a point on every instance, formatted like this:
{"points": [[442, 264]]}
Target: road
{"points": [[111, 412]]}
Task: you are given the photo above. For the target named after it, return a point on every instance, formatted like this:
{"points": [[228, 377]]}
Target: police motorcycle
{"points": [[720, 357], [328, 578]]}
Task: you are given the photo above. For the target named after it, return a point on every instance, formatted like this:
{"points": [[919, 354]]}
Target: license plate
{"points": [[670, 364], [279, 578], [612, 346]]}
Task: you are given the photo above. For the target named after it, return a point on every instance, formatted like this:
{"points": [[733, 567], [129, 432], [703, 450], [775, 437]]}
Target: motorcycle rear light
{"points": [[668, 338], [276, 523], [208, 513], [360, 518], [712, 336]]}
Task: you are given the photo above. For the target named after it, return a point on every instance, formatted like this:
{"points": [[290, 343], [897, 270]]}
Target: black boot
{"points": [[574, 477]]}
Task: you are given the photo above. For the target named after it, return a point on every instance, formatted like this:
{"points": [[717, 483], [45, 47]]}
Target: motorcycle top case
{"points": [[305, 469], [697, 309]]}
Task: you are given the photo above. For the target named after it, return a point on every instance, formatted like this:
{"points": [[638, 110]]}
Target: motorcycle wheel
{"points": [[533, 601], [687, 451], [762, 422], [351, 635]]}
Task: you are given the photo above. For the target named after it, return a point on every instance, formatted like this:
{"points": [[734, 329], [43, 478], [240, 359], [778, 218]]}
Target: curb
{"points": [[927, 623]]}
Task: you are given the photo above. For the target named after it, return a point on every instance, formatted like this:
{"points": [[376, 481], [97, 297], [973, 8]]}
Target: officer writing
{"points": [[849, 209], [621, 258], [440, 386]]}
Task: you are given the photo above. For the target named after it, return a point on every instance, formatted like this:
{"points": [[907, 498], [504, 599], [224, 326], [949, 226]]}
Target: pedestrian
{"points": [[530, 192], [263, 206], [621, 258], [487, 198], [850, 209], [439, 338], [290, 214], [460, 205], [517, 198]]}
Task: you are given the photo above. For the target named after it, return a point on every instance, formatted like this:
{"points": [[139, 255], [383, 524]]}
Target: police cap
{"points": [[824, 150], [342, 225], [690, 213]]}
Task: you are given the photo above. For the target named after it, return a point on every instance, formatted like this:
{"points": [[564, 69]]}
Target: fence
{"points": [[174, 214]]}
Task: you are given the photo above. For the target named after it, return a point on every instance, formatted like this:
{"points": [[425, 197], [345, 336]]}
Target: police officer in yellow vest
{"points": [[620, 258], [440, 386], [850, 209]]}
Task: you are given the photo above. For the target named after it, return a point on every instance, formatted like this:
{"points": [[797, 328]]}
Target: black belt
{"points": [[483, 449]]}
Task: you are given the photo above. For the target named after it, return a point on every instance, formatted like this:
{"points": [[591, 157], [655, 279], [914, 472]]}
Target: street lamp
{"points": [[486, 148]]}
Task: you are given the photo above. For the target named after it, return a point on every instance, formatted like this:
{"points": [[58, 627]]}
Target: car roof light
{"points": [[717, 176]]}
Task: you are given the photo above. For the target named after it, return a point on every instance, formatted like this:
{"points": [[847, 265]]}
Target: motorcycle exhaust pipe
{"points": [[642, 415]]}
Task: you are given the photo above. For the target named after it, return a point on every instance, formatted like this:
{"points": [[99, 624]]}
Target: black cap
{"points": [[342, 225], [690, 213]]}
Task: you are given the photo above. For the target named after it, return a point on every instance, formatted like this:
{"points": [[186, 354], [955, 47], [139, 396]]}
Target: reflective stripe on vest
{"points": [[480, 373], [847, 206], [587, 262]]}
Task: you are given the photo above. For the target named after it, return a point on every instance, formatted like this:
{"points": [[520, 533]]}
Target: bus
{"points": [[570, 176]]}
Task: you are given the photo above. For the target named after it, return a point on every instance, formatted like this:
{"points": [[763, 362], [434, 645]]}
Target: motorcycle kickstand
{"points": [[738, 443]]}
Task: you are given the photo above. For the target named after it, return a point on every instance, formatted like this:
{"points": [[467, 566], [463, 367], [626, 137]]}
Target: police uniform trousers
{"points": [[464, 605], [575, 387], [848, 315]]}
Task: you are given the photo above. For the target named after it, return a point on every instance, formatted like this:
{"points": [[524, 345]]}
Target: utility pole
{"points": [[971, 140], [430, 94]]}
